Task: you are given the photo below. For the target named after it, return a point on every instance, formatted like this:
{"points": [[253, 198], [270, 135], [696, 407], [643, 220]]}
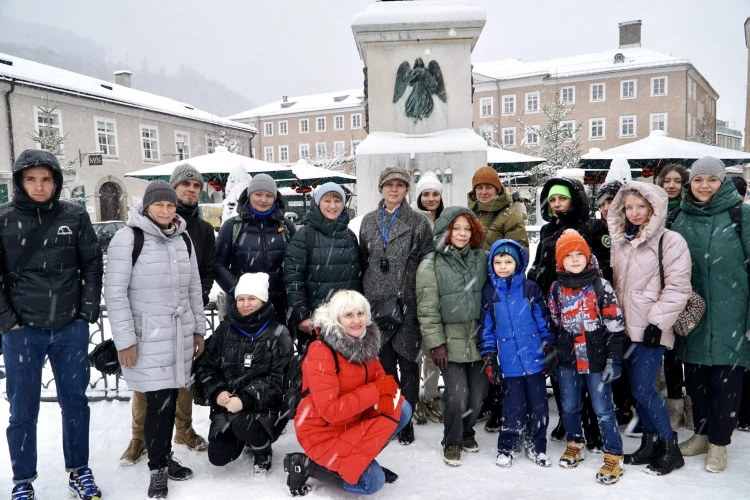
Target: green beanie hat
{"points": [[559, 189]]}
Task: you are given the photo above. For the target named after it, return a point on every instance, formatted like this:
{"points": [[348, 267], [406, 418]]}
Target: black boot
{"points": [[668, 457], [558, 433], [390, 476], [325, 475], [406, 436], [646, 453], [158, 487], [295, 465]]}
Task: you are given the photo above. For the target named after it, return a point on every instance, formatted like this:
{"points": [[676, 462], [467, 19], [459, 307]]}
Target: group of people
{"points": [[422, 284]]}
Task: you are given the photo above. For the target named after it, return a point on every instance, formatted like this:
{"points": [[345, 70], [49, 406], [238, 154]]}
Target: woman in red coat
{"points": [[351, 408]]}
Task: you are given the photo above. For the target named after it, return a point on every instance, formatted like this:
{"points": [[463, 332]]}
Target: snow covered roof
{"points": [[306, 104], [585, 64], [435, 11], [40, 75], [443, 141]]}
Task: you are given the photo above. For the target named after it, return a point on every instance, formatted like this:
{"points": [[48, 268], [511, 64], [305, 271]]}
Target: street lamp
{"points": [[181, 148]]}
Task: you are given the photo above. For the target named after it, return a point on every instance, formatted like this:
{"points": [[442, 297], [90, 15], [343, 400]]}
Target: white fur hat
{"points": [[255, 284], [428, 181]]}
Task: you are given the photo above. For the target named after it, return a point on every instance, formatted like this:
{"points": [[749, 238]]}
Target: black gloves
{"points": [[550, 359], [652, 337]]}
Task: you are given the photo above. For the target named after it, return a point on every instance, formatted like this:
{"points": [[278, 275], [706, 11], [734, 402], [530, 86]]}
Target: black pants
{"points": [[465, 388], [622, 395], [745, 400], [409, 380], [228, 444], [157, 429], [715, 391], [673, 375]]}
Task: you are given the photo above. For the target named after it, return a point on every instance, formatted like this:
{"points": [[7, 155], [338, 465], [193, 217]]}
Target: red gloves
{"points": [[385, 404], [387, 386], [440, 356]]}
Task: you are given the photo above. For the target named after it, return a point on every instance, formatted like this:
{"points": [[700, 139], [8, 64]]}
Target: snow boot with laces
{"points": [[23, 491], [611, 469], [574, 454], [158, 487], [645, 453], [667, 457]]}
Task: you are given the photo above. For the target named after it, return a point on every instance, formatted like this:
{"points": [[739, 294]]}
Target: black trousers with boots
{"points": [[226, 446], [161, 407], [715, 391]]}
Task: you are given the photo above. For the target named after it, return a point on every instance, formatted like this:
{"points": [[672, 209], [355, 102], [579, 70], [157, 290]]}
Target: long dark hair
{"points": [[672, 167]]}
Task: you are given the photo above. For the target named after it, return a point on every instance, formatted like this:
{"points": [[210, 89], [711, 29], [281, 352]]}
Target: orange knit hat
{"points": [[570, 241], [486, 175]]}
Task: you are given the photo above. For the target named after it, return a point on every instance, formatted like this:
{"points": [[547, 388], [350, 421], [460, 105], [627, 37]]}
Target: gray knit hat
{"points": [[158, 191], [262, 182], [185, 172], [394, 174], [329, 187], [708, 165]]}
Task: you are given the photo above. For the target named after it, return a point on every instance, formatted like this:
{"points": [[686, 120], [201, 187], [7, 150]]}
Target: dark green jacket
{"points": [[334, 264], [720, 277], [449, 293]]}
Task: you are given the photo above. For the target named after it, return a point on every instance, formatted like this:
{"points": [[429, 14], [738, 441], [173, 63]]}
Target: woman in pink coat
{"points": [[636, 225]]}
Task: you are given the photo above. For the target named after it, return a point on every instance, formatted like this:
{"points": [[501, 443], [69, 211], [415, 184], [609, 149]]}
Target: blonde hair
{"points": [[342, 302], [623, 219]]}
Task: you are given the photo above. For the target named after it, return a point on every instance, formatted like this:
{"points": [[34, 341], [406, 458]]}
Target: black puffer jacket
{"points": [[204, 241], [594, 231], [266, 346], [334, 264], [260, 248], [62, 281]]}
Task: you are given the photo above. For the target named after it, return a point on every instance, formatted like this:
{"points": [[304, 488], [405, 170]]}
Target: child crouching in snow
{"points": [[514, 332], [590, 337]]}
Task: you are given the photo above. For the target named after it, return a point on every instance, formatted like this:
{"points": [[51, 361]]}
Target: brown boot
{"points": [[611, 470], [574, 454], [136, 450], [676, 409], [190, 439]]}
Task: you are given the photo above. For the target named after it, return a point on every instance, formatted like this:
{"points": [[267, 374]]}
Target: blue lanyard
{"points": [[387, 231], [251, 336]]}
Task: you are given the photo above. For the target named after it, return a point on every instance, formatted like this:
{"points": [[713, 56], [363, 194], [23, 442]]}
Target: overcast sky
{"points": [[268, 48]]}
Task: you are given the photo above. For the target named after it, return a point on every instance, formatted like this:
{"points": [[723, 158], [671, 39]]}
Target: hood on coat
{"points": [[579, 210], [656, 197], [444, 221], [137, 219], [520, 270], [359, 351], [35, 158], [502, 200]]}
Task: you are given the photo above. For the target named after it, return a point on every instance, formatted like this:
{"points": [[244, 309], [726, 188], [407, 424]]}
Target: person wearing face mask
{"points": [[717, 351], [321, 259]]}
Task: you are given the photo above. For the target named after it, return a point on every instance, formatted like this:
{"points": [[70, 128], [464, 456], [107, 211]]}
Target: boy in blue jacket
{"points": [[513, 341]]}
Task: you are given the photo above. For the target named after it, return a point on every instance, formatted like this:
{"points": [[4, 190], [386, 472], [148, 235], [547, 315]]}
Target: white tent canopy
{"points": [[304, 171], [497, 155]]}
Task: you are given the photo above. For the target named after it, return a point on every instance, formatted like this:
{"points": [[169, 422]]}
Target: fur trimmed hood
{"points": [[359, 351]]}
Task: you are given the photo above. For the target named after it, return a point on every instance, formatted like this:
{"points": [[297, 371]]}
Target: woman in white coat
{"points": [[155, 309]]}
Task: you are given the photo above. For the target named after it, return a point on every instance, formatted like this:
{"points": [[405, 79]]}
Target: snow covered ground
{"points": [[420, 467]]}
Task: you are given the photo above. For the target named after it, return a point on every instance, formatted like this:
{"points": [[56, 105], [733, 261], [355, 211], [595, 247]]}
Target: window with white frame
{"points": [[596, 128], [486, 132], [320, 124], [628, 89], [320, 149], [304, 151], [509, 104], [357, 120], [509, 137], [49, 125], [532, 135], [690, 87], [485, 106], [268, 154], [627, 126], [659, 86], [568, 129], [149, 142], [182, 144], [338, 122], [339, 148], [695, 90], [284, 153], [689, 125], [658, 121], [304, 125], [283, 127], [598, 92], [532, 102], [355, 143], [268, 128], [568, 95], [106, 136]]}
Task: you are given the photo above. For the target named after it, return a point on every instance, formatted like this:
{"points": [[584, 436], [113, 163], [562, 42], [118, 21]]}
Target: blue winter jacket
{"points": [[514, 320]]}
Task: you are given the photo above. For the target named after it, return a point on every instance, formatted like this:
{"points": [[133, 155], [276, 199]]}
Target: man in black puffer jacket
{"points": [[45, 307]]}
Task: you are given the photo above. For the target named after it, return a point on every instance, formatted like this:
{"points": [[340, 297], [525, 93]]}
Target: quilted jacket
{"points": [[507, 222]]}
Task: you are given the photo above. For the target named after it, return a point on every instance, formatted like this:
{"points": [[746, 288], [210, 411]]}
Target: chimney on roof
{"points": [[122, 77], [630, 34], [285, 98]]}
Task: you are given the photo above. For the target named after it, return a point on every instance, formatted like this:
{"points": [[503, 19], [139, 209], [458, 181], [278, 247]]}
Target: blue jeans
{"points": [[524, 406], [571, 385], [373, 478], [67, 349], [643, 364]]}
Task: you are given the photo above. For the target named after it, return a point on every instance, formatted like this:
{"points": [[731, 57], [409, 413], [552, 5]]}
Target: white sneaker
{"points": [[504, 460], [541, 459]]}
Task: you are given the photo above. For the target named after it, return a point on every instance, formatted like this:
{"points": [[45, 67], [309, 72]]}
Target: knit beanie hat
{"points": [[486, 175], [185, 172], [511, 250], [391, 174], [429, 181], [608, 192], [262, 182], [708, 165], [158, 191], [741, 185], [255, 284], [329, 187], [570, 241], [559, 189]]}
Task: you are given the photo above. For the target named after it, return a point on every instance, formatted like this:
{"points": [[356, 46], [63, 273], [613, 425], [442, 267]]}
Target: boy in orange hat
{"points": [[590, 340]]}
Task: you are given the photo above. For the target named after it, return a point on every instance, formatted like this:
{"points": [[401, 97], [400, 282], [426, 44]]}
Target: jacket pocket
{"points": [[565, 349], [596, 346]]}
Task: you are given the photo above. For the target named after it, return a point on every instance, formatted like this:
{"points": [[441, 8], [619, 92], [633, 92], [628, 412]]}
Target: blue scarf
{"points": [[262, 215]]}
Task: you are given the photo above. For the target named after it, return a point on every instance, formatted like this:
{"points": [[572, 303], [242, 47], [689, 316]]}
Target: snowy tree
{"points": [[219, 137], [237, 182], [705, 124]]}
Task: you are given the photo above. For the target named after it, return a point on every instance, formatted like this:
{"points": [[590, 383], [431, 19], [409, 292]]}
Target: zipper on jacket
{"points": [[263, 244]]}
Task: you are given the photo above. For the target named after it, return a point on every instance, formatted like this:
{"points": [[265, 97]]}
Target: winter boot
{"points": [[324, 475], [434, 411], [574, 454], [494, 423], [406, 436], [504, 459], [158, 487], [23, 491], [177, 471], [452, 455], [646, 453], [470, 445], [190, 439], [676, 408], [611, 470], [558, 433], [135, 451], [696, 445], [716, 458], [689, 414], [420, 412], [81, 483], [390, 476], [541, 458], [295, 465], [263, 462], [667, 458]]}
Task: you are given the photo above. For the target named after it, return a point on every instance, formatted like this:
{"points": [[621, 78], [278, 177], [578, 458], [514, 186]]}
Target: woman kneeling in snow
{"points": [[351, 408]]}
